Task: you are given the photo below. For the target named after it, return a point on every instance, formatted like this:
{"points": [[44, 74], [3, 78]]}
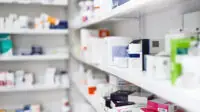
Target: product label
{"points": [[119, 51], [125, 110]]}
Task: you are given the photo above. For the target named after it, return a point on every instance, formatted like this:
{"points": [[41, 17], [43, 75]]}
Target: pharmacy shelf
{"points": [[133, 8], [94, 100], [186, 98], [33, 88], [27, 31], [34, 3], [34, 58]]}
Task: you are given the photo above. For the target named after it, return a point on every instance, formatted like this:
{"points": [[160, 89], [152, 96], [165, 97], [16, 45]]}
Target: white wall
{"points": [[127, 28], [156, 24]]}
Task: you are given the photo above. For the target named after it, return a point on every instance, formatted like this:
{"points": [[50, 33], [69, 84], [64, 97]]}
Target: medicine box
{"points": [[158, 67], [115, 47], [130, 108]]}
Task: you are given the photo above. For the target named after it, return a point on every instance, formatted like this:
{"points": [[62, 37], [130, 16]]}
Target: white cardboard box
{"points": [[112, 42]]}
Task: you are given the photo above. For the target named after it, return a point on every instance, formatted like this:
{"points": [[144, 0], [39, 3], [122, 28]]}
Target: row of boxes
{"points": [[123, 52], [127, 101], [14, 21], [97, 8]]}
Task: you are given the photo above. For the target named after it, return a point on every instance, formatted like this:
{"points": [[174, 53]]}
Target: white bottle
{"points": [[28, 79], [65, 105], [49, 76], [9, 79], [97, 8], [64, 78], [19, 78], [2, 79], [135, 56], [1, 23], [57, 79], [89, 9], [23, 21], [8, 23]]}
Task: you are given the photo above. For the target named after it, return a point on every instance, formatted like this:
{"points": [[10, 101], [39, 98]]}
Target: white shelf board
{"points": [[30, 3], [34, 57], [33, 88], [186, 98], [133, 8], [28, 31], [94, 100]]}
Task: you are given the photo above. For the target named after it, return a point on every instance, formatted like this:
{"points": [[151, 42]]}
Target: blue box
{"points": [[62, 25]]}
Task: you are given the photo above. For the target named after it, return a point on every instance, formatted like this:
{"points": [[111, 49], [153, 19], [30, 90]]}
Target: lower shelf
{"points": [[94, 100], [33, 88]]}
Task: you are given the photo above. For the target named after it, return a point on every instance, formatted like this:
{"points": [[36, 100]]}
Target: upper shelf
{"points": [[132, 9], [162, 88], [26, 2], [29, 31]]}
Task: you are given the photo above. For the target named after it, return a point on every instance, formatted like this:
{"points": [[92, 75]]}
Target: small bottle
{"points": [[52, 20], [2, 79], [10, 79], [64, 78], [28, 79], [19, 78], [2, 23], [65, 105], [57, 79], [104, 33]]}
